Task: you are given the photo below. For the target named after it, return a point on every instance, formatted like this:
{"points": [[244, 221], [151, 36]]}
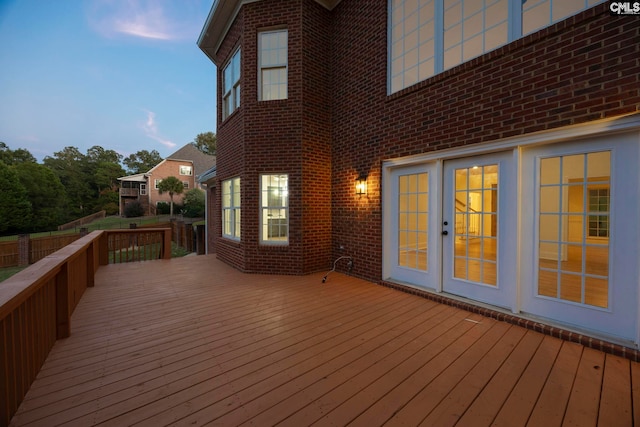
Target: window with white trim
{"points": [[143, 189], [427, 37], [231, 85], [156, 183], [231, 208], [274, 209], [185, 184], [186, 170], [272, 76]]}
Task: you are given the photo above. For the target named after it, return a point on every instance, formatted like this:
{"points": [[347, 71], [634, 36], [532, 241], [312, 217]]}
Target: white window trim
{"points": [[233, 235], [156, 183], [515, 30], [186, 168], [284, 65], [233, 94], [268, 242]]}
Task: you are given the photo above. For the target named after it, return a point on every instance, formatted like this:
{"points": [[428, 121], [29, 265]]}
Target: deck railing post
{"points": [[91, 272], [63, 325], [103, 251], [24, 250], [166, 247]]}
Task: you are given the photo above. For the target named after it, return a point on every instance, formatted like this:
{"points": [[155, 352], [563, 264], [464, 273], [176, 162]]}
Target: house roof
{"points": [[201, 161], [222, 15], [207, 175], [139, 177]]}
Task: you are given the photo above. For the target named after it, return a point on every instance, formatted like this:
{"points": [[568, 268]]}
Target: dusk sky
{"points": [[126, 75]]}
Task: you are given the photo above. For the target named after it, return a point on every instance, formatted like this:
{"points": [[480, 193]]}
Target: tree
{"points": [[15, 209], [106, 176], [206, 142], [194, 202], [13, 157], [71, 167], [171, 185], [142, 161], [46, 195]]}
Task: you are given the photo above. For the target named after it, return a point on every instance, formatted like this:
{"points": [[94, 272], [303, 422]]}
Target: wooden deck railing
{"points": [[36, 304]]}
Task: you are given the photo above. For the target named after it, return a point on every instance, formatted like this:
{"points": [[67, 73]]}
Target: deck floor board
{"points": [[194, 341]]}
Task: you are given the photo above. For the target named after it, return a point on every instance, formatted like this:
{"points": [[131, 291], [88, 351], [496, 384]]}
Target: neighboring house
{"points": [[494, 146], [186, 164]]}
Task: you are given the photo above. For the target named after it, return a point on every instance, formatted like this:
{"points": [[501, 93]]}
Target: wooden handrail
{"points": [[36, 306]]}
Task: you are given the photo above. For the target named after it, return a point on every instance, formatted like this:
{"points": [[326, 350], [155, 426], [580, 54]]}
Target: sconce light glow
{"points": [[361, 185]]}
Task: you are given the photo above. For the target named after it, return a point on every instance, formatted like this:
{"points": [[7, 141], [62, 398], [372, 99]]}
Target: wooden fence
{"points": [[36, 305], [39, 247]]}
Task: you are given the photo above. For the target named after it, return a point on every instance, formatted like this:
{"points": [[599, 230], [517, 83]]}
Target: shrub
{"points": [[194, 202], [133, 209], [164, 208]]}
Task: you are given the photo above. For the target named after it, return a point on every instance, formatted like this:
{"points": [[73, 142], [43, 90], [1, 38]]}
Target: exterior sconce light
{"points": [[361, 185]]}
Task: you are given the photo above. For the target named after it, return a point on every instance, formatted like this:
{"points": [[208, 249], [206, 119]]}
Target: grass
{"points": [[108, 223], [7, 272]]}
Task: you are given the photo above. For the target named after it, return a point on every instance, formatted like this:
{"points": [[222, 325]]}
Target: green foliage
{"points": [[171, 185], [142, 161], [164, 208], [108, 200], [106, 175], [194, 201], [206, 142], [14, 157], [71, 167], [133, 209], [46, 194], [15, 208]]}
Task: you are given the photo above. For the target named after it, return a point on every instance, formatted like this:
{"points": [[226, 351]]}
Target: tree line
{"points": [[68, 185]]}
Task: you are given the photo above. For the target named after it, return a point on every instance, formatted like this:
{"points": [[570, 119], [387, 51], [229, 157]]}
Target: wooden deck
{"points": [[191, 341]]}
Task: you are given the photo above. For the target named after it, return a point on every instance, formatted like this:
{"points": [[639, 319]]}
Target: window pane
{"points": [[273, 64], [573, 219], [275, 208]]}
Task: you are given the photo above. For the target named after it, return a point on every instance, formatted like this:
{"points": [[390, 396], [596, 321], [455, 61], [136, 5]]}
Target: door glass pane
{"points": [[573, 228], [476, 227], [413, 216]]}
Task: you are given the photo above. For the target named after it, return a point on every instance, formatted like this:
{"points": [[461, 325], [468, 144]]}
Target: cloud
{"points": [[148, 19], [150, 129]]}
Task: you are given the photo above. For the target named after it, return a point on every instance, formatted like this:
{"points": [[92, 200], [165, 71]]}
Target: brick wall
{"points": [[164, 170], [579, 70], [280, 137], [339, 121]]}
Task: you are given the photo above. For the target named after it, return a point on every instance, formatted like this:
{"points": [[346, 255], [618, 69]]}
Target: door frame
{"points": [[628, 124], [504, 293], [623, 313]]}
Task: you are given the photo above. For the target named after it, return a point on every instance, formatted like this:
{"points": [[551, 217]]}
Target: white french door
{"points": [[412, 213], [479, 212], [580, 220], [550, 231]]}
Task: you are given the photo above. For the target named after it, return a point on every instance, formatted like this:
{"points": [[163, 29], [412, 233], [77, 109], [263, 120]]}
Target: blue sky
{"points": [[126, 75]]}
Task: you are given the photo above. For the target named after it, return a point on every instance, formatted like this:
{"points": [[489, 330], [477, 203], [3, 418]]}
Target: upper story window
{"points": [[186, 170], [231, 84], [272, 48], [274, 209], [430, 36], [156, 183], [231, 208]]}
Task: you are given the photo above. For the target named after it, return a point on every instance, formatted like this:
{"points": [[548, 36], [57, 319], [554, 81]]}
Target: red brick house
{"points": [[495, 146], [186, 164]]}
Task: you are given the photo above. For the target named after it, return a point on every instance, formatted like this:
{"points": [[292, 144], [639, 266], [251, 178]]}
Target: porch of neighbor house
{"points": [[192, 341]]}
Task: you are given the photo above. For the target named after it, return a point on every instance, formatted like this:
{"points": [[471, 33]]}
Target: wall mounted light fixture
{"points": [[361, 185]]}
